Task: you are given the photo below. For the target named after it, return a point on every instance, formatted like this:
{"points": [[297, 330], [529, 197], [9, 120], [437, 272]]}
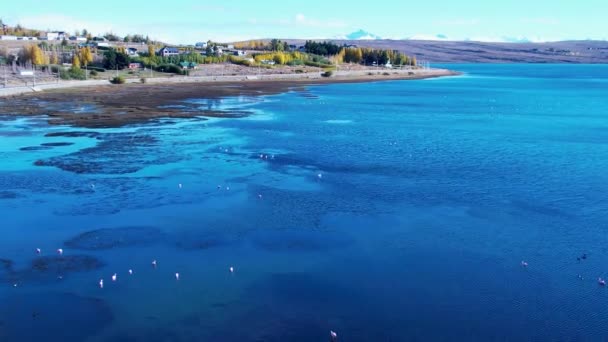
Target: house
{"points": [[133, 66], [200, 45], [8, 37], [188, 65], [168, 51], [132, 51], [78, 39], [238, 53], [57, 35], [99, 39], [230, 47], [102, 45]]}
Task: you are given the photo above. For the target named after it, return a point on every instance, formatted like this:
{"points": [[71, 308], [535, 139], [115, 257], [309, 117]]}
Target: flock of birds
{"points": [[332, 334], [601, 281]]}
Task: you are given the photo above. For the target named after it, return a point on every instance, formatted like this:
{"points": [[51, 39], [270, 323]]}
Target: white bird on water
{"points": [[60, 251], [524, 264], [114, 276], [38, 251], [333, 335], [176, 276], [101, 283], [260, 196], [231, 269], [320, 176], [154, 263], [130, 272], [179, 185]]}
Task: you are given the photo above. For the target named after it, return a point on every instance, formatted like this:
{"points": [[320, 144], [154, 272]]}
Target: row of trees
{"points": [[322, 48], [370, 56]]}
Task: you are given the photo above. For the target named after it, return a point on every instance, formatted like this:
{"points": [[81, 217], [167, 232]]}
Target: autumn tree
{"points": [[76, 62], [35, 54], [85, 56]]}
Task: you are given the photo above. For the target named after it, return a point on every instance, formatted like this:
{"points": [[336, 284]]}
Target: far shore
{"points": [[118, 105]]}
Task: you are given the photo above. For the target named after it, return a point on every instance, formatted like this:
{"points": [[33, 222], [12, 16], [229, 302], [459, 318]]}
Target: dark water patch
{"points": [[299, 240], [194, 240], [74, 134], [48, 268], [35, 148], [116, 153], [8, 195], [6, 269], [110, 238], [43, 317], [57, 144]]}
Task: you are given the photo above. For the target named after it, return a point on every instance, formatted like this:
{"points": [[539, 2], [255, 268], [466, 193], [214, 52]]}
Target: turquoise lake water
{"points": [[388, 211]]}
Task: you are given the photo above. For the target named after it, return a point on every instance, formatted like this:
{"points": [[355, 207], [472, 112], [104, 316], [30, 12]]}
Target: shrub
{"points": [[386, 74], [118, 80], [295, 62], [328, 73], [72, 74], [94, 73], [299, 71], [171, 68], [142, 80]]}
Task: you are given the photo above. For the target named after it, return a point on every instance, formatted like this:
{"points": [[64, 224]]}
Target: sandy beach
{"points": [[100, 104]]}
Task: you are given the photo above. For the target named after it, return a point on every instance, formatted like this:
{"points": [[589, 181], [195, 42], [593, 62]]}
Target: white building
{"points": [[59, 35], [201, 45], [8, 37]]}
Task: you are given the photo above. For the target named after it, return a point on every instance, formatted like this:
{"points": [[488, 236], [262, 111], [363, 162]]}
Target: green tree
{"points": [[64, 42]]}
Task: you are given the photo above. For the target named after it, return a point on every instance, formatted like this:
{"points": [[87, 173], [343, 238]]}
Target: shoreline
{"points": [[108, 105]]}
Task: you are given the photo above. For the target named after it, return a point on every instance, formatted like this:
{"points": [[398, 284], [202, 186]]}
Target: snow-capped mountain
{"points": [[359, 35]]}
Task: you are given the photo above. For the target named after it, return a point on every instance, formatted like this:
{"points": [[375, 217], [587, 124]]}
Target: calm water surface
{"points": [[431, 195]]}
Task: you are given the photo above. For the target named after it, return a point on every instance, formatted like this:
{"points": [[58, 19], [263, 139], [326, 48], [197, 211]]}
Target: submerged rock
{"points": [[57, 144], [109, 238], [65, 264]]}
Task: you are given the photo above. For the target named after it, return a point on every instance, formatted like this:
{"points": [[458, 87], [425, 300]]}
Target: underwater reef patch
{"points": [[110, 238]]}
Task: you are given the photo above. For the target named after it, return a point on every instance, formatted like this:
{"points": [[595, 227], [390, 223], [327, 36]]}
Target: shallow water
{"points": [[430, 195]]}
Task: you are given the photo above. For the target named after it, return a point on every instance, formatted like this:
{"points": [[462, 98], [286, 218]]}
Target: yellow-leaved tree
{"points": [[85, 56], [36, 55], [76, 62]]}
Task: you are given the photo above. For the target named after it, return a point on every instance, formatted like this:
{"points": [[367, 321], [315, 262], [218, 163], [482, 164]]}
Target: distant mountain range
{"points": [[366, 35], [442, 50]]}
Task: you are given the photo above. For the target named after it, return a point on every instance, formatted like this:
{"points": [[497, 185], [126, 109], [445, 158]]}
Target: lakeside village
{"points": [[50, 56]]}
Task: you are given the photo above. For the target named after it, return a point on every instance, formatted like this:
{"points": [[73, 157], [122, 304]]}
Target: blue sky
{"points": [[194, 20]]}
